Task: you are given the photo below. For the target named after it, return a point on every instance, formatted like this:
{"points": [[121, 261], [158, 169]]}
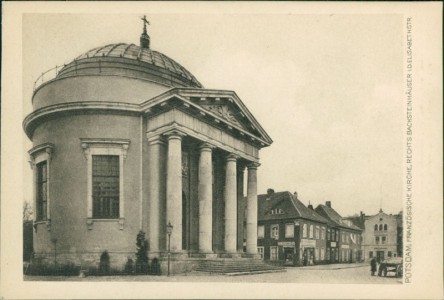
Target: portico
{"points": [[205, 150]]}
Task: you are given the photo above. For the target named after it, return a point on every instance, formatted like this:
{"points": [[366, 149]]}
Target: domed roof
{"points": [[145, 55]]}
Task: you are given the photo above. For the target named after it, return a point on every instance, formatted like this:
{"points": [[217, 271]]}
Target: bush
{"points": [[129, 266], [104, 263], [142, 266]]}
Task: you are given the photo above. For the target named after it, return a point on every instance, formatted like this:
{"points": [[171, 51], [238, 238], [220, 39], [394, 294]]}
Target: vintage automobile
{"points": [[392, 265]]}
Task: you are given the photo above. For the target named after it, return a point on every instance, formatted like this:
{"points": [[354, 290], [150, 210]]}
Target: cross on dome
{"points": [[145, 38]]}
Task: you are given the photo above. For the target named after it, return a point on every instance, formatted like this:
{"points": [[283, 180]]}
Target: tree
{"points": [[141, 254]]}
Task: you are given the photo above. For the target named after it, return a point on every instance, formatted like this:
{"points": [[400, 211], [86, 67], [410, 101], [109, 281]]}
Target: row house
{"points": [[290, 233], [346, 240]]}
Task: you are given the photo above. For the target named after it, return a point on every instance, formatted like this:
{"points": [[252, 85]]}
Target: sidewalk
{"points": [[335, 266]]}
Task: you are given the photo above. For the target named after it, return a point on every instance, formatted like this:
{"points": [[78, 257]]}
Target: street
{"points": [[336, 273]]}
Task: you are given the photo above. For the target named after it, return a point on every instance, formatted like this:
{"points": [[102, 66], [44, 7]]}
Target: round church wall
{"points": [[70, 236], [88, 88]]}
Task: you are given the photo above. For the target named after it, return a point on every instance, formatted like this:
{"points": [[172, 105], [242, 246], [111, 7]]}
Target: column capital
{"points": [[174, 134], [241, 167], [253, 165], [206, 147], [156, 140], [232, 157]]}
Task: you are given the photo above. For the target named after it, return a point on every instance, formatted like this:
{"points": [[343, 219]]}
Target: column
{"points": [[154, 192], [240, 207], [205, 195], [230, 194], [252, 208], [174, 188]]}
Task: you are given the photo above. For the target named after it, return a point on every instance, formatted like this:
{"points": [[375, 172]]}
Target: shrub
{"points": [[104, 263], [141, 253]]}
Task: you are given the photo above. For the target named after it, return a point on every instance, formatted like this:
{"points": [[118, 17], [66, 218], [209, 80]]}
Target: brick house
{"points": [[289, 232], [345, 246]]}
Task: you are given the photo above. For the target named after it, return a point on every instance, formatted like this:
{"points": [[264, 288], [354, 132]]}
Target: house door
{"points": [[379, 256], [288, 256]]}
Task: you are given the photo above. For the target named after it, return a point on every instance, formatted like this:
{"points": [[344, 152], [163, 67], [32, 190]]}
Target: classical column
{"points": [[230, 204], [240, 207], [154, 192], [205, 194], [174, 188], [252, 209]]}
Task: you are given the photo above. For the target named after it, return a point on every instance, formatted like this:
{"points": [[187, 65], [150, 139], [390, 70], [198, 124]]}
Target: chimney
{"points": [[310, 206], [270, 192], [295, 195], [328, 203]]}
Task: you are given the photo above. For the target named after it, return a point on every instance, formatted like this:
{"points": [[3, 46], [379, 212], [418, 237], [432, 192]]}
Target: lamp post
{"points": [[169, 229]]}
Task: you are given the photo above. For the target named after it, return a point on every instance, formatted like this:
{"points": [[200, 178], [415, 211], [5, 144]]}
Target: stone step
{"points": [[236, 266]]}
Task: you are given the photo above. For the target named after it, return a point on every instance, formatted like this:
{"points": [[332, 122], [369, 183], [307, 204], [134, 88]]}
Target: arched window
{"points": [[376, 227], [385, 226], [380, 227]]}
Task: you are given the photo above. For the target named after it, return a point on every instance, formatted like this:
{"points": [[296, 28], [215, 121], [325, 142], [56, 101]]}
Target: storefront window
{"points": [[273, 253], [260, 251]]}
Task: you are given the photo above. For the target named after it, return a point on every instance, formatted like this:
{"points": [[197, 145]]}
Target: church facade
{"points": [[125, 139]]}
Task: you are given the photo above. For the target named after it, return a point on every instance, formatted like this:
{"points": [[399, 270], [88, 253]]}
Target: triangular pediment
{"points": [[222, 106], [225, 112]]}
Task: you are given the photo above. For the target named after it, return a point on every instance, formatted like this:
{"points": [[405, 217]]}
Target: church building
{"points": [[126, 139]]}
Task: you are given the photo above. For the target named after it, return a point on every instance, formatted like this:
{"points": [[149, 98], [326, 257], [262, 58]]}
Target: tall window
{"points": [[311, 231], [317, 232], [377, 240], [328, 234], [323, 233], [105, 176], [370, 254], [289, 230], [383, 240], [304, 231], [42, 186], [275, 232], [385, 226], [380, 227], [260, 231]]}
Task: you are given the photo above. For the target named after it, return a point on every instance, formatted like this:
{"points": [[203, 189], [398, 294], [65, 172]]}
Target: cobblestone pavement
{"points": [[337, 273]]}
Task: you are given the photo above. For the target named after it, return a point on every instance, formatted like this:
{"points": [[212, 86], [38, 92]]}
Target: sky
{"points": [[327, 88]]}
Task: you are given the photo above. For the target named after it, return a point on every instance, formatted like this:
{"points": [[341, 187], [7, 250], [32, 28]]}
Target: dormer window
{"points": [[277, 211]]}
